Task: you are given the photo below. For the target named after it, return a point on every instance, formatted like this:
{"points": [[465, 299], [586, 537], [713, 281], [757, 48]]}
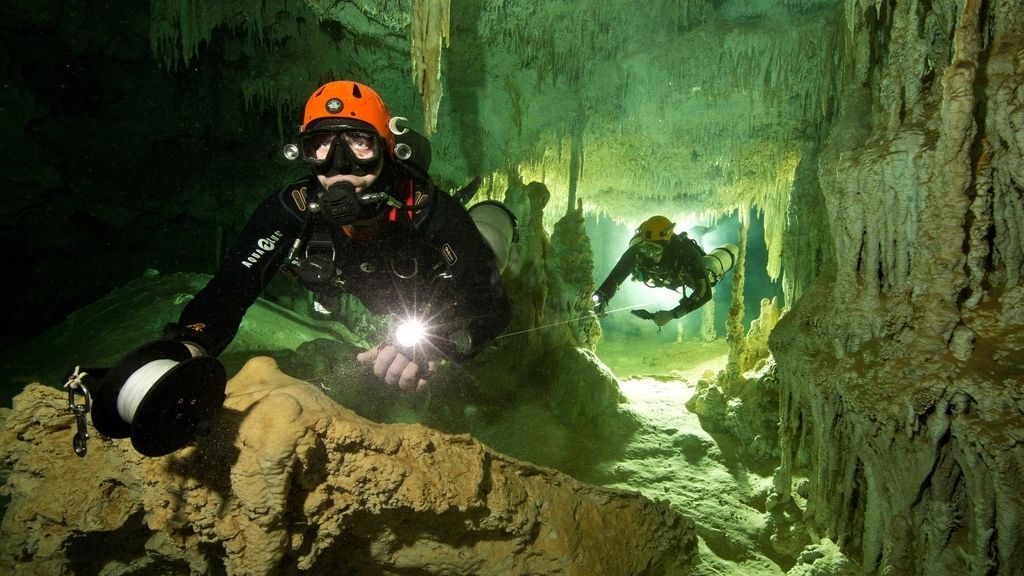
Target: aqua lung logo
{"points": [[449, 254], [334, 105], [263, 246]]}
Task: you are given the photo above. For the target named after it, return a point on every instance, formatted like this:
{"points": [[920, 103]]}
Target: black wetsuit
{"points": [[431, 261], [681, 264]]}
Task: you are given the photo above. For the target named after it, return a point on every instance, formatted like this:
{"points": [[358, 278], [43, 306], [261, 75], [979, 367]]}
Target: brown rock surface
{"points": [[288, 481]]}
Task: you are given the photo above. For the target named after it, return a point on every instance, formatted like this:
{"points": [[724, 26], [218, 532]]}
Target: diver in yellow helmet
{"points": [[660, 258]]}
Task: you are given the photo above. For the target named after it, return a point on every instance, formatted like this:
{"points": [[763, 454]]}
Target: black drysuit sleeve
{"points": [[623, 268], [211, 319], [480, 303]]}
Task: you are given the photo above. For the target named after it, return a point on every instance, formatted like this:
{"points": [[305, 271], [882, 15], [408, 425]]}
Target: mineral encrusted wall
{"points": [[287, 481], [901, 372]]}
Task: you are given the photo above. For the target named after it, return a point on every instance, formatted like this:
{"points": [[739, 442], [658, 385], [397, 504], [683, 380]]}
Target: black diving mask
{"points": [[334, 150], [652, 250]]}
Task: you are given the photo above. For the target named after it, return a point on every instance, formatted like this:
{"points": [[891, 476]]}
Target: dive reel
{"points": [[159, 395]]}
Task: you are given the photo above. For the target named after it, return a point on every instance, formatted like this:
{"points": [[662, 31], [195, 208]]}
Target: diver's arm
{"points": [[619, 273], [211, 319], [480, 308], [700, 296]]}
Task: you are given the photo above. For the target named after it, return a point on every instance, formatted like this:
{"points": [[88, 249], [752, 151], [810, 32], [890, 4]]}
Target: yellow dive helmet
{"points": [[656, 228]]}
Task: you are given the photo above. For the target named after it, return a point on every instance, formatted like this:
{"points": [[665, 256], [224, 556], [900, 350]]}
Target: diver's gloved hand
{"points": [[398, 369], [662, 317], [410, 359], [600, 304], [642, 314]]}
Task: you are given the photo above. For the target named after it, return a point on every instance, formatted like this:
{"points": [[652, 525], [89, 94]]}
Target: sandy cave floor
{"points": [[671, 456]]}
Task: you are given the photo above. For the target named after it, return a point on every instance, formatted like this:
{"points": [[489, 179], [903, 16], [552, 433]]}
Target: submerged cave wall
{"points": [[128, 126], [889, 153], [901, 369]]}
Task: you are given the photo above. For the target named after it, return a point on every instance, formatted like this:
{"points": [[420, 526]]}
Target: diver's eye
{"points": [[362, 144], [322, 145]]}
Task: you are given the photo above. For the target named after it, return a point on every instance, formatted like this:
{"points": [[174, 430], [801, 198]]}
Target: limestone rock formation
{"points": [[288, 481], [745, 402], [900, 369]]}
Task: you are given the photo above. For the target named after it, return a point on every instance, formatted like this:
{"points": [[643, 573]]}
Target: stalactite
{"points": [[774, 202], [284, 42], [1008, 207], [1005, 126], [940, 278], [575, 162], [806, 242], [430, 34], [980, 222], [178, 27]]}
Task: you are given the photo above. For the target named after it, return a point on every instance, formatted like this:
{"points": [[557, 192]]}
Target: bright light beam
{"points": [[410, 333]]}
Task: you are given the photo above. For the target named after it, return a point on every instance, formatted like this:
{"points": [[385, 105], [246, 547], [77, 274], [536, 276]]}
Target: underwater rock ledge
{"points": [[288, 481]]}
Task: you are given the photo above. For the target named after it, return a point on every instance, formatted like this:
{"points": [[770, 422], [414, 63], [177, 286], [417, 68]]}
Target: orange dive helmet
{"points": [[345, 100], [345, 130], [656, 228]]}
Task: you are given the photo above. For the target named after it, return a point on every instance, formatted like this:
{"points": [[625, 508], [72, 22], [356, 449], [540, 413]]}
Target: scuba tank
{"points": [[497, 224], [720, 260]]}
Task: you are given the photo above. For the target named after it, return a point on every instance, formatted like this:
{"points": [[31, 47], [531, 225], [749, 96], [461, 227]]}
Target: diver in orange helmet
{"points": [[366, 221], [660, 258]]}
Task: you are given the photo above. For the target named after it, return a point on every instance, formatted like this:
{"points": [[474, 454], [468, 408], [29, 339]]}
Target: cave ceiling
{"points": [[689, 108]]}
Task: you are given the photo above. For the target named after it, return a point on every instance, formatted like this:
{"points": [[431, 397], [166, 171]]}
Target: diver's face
{"points": [[343, 154], [652, 251], [363, 146]]}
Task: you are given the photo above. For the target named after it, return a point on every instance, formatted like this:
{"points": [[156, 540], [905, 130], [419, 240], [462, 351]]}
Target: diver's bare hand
{"points": [[396, 369]]}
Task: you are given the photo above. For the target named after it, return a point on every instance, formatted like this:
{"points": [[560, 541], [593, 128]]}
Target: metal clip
{"points": [[76, 384]]}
